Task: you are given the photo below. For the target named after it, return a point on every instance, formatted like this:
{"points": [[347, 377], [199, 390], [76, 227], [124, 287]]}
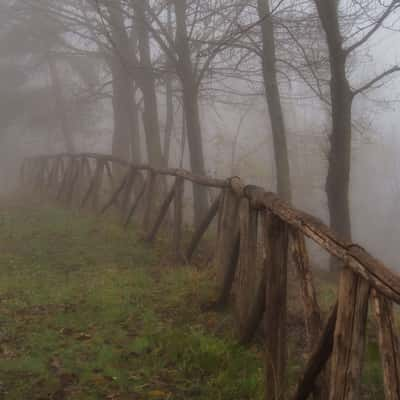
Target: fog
{"points": [[78, 76]]}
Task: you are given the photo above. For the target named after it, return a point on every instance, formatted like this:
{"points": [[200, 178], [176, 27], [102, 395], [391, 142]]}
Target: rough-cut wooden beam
{"points": [[201, 229], [162, 213], [178, 218], [229, 276], [247, 273], [312, 311], [135, 204], [177, 172], [276, 249], [227, 235], [349, 339], [389, 346], [114, 197], [318, 359], [92, 185], [97, 186], [149, 200]]}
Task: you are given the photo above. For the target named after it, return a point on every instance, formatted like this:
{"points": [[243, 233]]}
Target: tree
{"points": [[342, 94]]}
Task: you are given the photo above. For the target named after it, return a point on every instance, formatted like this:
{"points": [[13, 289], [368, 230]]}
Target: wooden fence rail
{"points": [[246, 216]]}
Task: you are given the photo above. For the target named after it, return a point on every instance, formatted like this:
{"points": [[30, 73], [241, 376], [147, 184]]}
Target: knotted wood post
{"points": [[276, 250], [227, 243], [246, 299], [349, 339], [178, 218], [389, 346], [149, 200]]}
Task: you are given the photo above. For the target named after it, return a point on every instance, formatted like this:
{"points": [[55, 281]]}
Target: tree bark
{"points": [[126, 126], [191, 106], [146, 83], [339, 159], [272, 95]]}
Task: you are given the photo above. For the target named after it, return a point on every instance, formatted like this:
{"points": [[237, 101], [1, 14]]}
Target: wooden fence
{"points": [[247, 216]]}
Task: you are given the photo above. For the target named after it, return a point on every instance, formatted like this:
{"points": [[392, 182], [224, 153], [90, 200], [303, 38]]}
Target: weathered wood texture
{"points": [[389, 346], [276, 250], [349, 339], [246, 287]]}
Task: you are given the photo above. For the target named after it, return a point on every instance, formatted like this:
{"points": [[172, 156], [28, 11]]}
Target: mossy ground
{"points": [[88, 311]]}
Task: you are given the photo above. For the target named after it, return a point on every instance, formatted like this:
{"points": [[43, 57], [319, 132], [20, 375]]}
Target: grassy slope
{"points": [[86, 312]]}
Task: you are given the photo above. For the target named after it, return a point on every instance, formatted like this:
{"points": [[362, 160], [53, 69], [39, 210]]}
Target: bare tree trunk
{"points": [[126, 132], [146, 83], [60, 105], [126, 127], [191, 106], [274, 101], [169, 120], [338, 178]]}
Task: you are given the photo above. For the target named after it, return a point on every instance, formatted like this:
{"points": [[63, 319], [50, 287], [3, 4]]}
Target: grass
{"points": [[88, 312]]}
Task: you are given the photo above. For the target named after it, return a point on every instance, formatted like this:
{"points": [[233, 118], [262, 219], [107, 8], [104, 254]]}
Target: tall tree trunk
{"points": [[191, 106], [126, 128], [169, 118], [60, 105], [339, 161], [274, 101], [146, 83]]}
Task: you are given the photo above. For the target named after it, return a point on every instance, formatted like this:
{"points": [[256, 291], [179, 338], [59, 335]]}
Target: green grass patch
{"points": [[88, 312]]}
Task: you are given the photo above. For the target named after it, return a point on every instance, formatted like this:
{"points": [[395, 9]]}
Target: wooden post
{"points": [[312, 312], [149, 200], [114, 196], [98, 185], [389, 346], [127, 192], [227, 235], [276, 250], [163, 212], [318, 359], [135, 203], [201, 229], [247, 272], [349, 340], [178, 218]]}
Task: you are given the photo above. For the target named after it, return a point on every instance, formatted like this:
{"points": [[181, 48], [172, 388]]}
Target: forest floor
{"points": [[87, 311]]}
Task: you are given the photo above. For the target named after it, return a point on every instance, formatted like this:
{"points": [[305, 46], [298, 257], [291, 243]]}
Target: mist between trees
{"points": [[300, 97]]}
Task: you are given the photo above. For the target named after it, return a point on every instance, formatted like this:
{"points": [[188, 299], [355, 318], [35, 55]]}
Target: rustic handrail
{"points": [[241, 209]]}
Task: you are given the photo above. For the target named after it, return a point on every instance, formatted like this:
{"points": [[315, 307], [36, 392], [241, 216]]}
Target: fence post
{"points": [[149, 200], [227, 238], [245, 295], [97, 185], [276, 250], [349, 338], [178, 218], [389, 346]]}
